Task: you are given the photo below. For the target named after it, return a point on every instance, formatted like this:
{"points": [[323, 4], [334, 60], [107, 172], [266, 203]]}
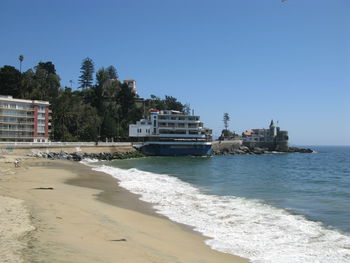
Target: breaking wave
{"points": [[239, 226]]}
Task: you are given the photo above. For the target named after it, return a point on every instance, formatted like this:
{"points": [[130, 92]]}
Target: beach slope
{"points": [[79, 215]]}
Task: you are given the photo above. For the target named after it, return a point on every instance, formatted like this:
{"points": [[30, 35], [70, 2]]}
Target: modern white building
{"points": [[172, 124], [24, 120], [172, 133]]}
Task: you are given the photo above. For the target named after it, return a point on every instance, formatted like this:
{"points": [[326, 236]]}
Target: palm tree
{"points": [[20, 62]]}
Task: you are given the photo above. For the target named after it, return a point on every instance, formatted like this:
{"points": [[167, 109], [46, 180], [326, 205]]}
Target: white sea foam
{"points": [[89, 161], [247, 228]]}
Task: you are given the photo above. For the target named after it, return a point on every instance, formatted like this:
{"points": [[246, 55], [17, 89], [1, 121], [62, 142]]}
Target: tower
{"points": [[272, 129]]}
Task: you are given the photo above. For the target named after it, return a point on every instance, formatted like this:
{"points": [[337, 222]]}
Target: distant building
{"points": [[131, 84], [272, 138], [24, 120]]}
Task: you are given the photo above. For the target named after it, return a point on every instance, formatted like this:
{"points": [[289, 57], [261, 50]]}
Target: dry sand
{"points": [[86, 218]]}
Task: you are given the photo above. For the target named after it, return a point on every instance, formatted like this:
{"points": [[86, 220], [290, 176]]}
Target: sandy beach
{"points": [[61, 211]]}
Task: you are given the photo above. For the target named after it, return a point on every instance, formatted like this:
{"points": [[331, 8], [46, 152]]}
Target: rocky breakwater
{"points": [[78, 156], [234, 148]]}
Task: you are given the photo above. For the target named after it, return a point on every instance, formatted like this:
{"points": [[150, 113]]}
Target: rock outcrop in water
{"points": [[227, 148]]}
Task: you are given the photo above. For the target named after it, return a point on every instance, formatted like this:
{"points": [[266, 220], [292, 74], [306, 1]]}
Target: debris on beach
{"points": [[44, 188], [118, 240]]}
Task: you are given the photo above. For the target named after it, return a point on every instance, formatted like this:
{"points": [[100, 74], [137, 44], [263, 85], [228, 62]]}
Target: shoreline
{"points": [[88, 217]]}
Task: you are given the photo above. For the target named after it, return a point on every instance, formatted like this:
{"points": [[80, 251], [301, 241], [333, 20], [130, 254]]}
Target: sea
{"points": [[268, 208]]}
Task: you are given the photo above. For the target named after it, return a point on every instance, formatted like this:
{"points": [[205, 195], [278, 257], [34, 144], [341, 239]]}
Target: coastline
{"points": [[87, 217]]}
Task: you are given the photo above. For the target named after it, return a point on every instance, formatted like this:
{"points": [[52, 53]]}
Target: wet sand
{"points": [[87, 217]]}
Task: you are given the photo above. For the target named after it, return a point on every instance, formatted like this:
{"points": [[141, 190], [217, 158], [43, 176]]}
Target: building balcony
{"points": [[16, 130], [16, 115], [198, 136], [17, 123], [15, 137], [17, 109], [181, 128], [179, 121]]}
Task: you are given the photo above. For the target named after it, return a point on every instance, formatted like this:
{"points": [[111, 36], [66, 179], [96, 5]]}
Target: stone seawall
{"points": [[12, 149]]}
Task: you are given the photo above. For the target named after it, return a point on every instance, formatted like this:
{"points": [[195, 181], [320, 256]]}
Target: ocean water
{"points": [[268, 208]]}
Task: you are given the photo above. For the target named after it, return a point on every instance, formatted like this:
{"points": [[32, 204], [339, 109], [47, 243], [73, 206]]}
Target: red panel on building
{"points": [[35, 121], [47, 122]]}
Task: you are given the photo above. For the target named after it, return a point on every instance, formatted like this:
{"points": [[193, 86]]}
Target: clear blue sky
{"points": [[255, 59]]}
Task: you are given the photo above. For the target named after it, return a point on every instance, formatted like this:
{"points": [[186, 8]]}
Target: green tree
{"points": [[96, 98], [109, 125], [105, 92], [171, 103], [226, 120], [112, 71], [102, 75], [20, 58], [126, 100], [27, 84], [103, 110], [87, 70], [49, 67], [154, 103], [45, 83], [74, 120], [10, 81], [89, 122], [62, 116]]}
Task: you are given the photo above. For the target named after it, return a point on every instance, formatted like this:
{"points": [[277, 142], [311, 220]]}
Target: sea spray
{"points": [[248, 228]]}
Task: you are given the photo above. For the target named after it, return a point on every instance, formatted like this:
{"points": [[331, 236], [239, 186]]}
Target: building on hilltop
{"points": [[131, 84], [24, 120], [272, 138]]}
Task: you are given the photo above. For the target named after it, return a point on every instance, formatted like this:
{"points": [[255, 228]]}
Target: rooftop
{"points": [[11, 99]]}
